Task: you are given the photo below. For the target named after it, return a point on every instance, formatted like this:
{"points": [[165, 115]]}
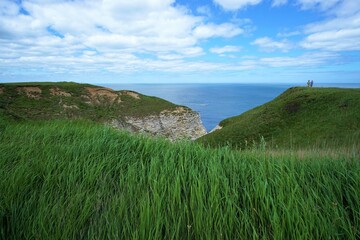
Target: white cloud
{"points": [[269, 45], [341, 40], [181, 53], [304, 60], [288, 34], [225, 49], [232, 5], [320, 4], [168, 56], [79, 35], [347, 8], [204, 10], [125, 62], [9, 8], [226, 30], [340, 32], [277, 3]]}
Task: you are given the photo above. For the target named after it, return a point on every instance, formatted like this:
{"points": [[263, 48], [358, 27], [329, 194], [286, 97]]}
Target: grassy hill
{"points": [[298, 118], [80, 180], [68, 100]]}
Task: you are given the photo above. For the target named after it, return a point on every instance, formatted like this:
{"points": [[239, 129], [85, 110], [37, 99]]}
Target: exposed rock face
{"points": [[130, 93], [218, 127], [55, 91], [182, 123], [123, 109], [99, 94], [31, 92]]}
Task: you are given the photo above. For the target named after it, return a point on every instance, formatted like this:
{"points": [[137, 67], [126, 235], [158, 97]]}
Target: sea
{"points": [[215, 102]]}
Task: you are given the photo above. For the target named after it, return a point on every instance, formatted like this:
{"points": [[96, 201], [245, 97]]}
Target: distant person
{"points": [[311, 83], [308, 83]]}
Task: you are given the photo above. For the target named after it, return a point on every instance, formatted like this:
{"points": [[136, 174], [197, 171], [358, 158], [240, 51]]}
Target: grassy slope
{"points": [[300, 117], [20, 106], [75, 180]]}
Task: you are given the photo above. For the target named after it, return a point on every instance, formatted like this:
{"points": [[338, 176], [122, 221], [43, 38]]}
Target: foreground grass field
{"points": [[78, 180]]}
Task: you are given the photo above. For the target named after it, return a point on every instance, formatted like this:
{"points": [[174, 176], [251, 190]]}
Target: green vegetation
{"points": [[298, 118], [80, 180], [68, 100], [58, 84], [77, 179]]}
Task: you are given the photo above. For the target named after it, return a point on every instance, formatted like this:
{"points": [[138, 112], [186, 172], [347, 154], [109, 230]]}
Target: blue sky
{"points": [[168, 41]]}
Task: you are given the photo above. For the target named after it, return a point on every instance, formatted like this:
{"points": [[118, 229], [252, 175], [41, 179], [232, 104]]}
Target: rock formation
{"points": [[124, 109], [181, 123]]}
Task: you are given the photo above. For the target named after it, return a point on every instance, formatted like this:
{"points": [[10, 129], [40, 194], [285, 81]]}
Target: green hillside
{"points": [[68, 100], [80, 180], [298, 118]]}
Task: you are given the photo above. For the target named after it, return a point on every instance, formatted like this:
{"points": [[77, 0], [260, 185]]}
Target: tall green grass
{"points": [[77, 180]]}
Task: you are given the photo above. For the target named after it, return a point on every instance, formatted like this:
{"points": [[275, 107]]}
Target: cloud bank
{"points": [[65, 37], [79, 33]]}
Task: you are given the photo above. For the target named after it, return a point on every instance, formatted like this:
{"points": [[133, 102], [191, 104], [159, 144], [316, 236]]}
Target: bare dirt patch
{"points": [[177, 111], [55, 91], [1, 90], [131, 94], [181, 109], [97, 93], [31, 92]]}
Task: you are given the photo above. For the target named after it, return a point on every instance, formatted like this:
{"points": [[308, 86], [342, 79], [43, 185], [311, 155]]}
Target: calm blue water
{"points": [[214, 102]]}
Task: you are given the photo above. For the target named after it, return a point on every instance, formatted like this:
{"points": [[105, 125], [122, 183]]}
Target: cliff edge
{"points": [[298, 118], [123, 109]]}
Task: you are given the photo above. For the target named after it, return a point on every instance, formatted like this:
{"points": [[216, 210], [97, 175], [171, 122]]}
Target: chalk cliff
{"points": [[124, 109], [178, 123]]}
